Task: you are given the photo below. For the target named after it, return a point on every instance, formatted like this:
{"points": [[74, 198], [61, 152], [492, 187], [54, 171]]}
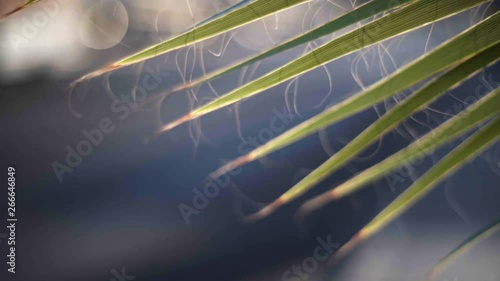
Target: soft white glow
{"points": [[104, 25]]}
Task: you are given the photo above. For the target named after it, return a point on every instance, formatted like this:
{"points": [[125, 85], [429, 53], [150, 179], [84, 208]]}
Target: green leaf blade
{"points": [[476, 39], [472, 147], [450, 163], [403, 20], [231, 20], [482, 110], [363, 12], [463, 248], [393, 117]]}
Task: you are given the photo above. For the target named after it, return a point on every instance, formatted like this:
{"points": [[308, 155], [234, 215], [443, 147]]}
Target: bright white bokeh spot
{"points": [[104, 25], [42, 38]]}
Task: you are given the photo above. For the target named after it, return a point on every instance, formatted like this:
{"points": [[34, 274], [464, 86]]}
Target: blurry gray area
{"points": [[119, 207]]}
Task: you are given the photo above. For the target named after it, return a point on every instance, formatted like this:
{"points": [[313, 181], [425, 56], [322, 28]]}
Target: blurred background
{"points": [[117, 214]]}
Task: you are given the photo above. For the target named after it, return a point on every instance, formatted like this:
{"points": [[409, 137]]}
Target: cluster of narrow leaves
{"points": [[227, 20], [448, 65]]}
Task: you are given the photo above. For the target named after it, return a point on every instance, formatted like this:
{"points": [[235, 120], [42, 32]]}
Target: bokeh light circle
{"points": [[104, 24]]}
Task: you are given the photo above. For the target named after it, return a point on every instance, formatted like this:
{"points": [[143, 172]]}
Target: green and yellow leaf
{"points": [[231, 20], [411, 16], [473, 146], [479, 112], [392, 118], [362, 12], [458, 49]]}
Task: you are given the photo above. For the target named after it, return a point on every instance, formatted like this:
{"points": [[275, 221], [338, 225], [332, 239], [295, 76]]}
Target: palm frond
{"points": [[233, 19], [453, 161], [477, 38], [414, 15], [362, 12], [392, 118], [482, 110]]}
